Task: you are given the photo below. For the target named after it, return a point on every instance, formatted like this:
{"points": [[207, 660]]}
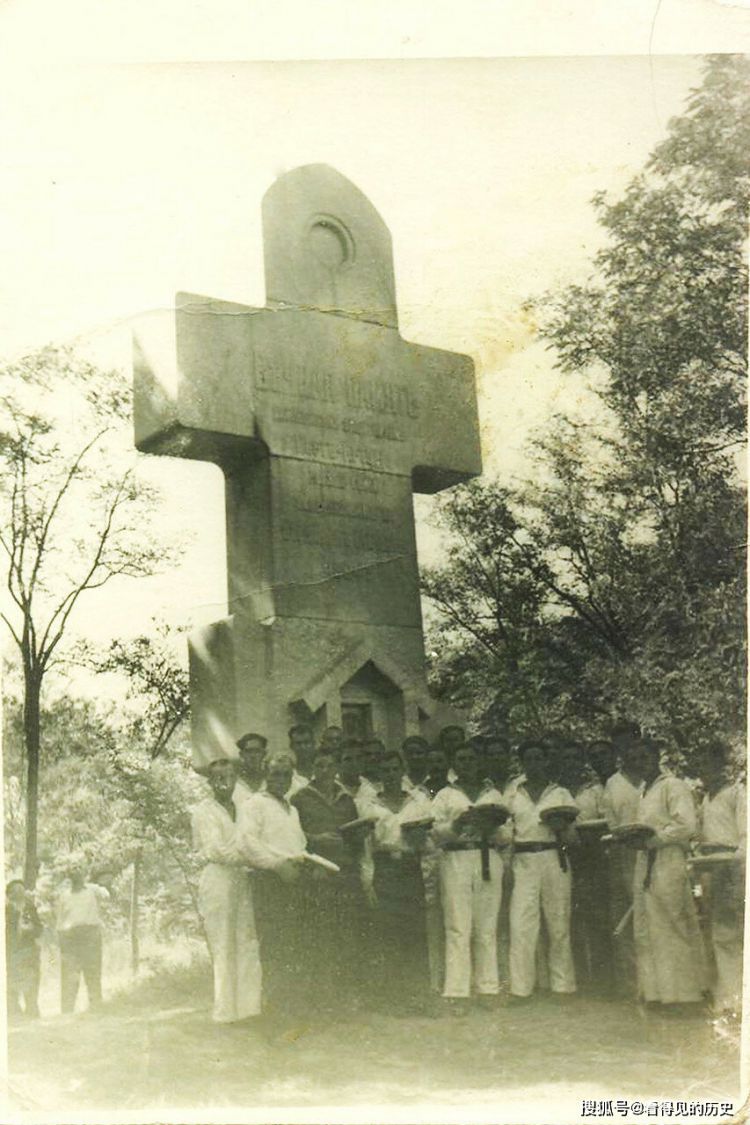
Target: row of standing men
{"points": [[425, 899]]}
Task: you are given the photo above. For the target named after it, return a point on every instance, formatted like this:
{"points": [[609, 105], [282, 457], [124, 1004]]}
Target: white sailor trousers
{"points": [[470, 911], [728, 953], [668, 942], [540, 886], [226, 906]]}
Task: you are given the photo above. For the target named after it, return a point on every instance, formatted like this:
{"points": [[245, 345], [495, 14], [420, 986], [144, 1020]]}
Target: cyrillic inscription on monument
{"points": [[324, 421]]}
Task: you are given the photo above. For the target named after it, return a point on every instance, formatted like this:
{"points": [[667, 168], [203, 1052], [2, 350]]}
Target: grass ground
{"points": [[154, 1046]]}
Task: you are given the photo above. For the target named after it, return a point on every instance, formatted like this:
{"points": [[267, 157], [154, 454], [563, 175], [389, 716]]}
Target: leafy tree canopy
{"points": [[614, 585]]}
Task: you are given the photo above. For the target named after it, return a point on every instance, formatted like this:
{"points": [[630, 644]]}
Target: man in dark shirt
{"points": [[401, 956], [22, 931], [590, 907], [334, 903]]}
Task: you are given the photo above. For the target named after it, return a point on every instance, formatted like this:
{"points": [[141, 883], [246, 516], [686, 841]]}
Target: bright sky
{"points": [[127, 183]]}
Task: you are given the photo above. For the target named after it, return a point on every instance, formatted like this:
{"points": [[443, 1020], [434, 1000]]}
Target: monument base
{"points": [[252, 676]]}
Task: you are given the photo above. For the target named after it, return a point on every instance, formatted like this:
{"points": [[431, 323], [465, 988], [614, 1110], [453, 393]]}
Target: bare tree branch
{"points": [[61, 614], [461, 620], [56, 501], [13, 632]]}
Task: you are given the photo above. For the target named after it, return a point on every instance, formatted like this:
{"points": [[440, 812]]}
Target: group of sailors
{"points": [[345, 876]]}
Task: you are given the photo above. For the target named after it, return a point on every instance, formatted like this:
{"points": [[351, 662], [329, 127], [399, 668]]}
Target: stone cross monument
{"points": [[324, 422]]}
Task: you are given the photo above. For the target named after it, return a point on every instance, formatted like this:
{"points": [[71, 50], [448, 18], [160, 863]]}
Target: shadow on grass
{"points": [[155, 1045], [182, 986]]}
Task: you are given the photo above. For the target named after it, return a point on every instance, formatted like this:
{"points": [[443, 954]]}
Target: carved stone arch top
{"points": [[327, 248]]}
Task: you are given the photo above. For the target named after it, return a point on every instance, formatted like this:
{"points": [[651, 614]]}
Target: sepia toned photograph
{"points": [[373, 562]]}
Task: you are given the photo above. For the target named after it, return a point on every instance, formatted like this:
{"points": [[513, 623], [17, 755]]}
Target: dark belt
{"points": [[483, 847], [399, 859], [545, 846], [716, 849]]}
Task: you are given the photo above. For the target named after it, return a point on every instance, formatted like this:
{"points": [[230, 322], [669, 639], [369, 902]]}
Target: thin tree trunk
{"points": [[190, 887], [135, 952], [31, 730]]}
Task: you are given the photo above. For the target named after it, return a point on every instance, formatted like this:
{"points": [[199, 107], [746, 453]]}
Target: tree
{"points": [[75, 516], [495, 597], [157, 686], [159, 689], [108, 802], [627, 552]]}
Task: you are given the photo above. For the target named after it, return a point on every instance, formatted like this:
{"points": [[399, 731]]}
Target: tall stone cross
{"points": [[324, 421]]}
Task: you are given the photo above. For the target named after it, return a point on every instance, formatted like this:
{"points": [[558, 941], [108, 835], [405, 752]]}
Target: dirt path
{"points": [[157, 1047]]}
